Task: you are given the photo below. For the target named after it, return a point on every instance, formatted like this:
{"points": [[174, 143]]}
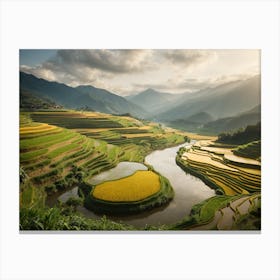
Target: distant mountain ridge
{"points": [[211, 110], [70, 97], [250, 117], [153, 101], [225, 100]]}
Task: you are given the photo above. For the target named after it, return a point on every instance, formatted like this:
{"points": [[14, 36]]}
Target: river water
{"points": [[189, 190]]}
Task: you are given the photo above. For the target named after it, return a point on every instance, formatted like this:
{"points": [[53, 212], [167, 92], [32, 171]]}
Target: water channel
{"points": [[189, 190]]}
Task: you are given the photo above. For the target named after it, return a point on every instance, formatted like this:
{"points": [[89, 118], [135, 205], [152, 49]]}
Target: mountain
{"points": [[250, 117], [29, 101], [95, 98], [110, 102], [153, 101], [223, 101]]}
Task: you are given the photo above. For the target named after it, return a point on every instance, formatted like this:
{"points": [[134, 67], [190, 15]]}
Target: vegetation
{"points": [[237, 183], [249, 134], [29, 101], [223, 213], [134, 137], [250, 150], [62, 150], [64, 217], [54, 158]]}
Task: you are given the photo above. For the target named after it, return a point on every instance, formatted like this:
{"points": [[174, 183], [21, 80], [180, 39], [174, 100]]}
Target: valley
{"points": [[93, 158], [61, 150]]}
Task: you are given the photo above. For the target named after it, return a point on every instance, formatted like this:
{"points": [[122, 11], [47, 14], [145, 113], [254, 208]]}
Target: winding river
{"points": [[189, 190]]}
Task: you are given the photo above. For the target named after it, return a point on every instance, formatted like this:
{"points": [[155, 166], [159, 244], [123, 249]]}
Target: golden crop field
{"points": [[136, 135], [206, 159], [138, 186], [36, 129]]}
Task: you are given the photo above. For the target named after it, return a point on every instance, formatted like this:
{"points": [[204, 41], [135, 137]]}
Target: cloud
{"points": [[75, 67], [188, 57], [129, 71], [183, 85], [113, 61], [84, 66]]}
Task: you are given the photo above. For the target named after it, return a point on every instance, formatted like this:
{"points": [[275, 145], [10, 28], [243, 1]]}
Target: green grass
{"points": [[64, 218], [32, 196], [33, 154], [62, 150], [46, 140], [209, 208]]}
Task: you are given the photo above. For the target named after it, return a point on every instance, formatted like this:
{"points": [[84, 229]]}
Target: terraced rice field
{"points": [[135, 138], [224, 213], [236, 177], [47, 154], [219, 167], [138, 186], [61, 149]]}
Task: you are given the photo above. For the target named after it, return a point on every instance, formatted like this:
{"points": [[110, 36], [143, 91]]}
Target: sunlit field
{"points": [[140, 185]]}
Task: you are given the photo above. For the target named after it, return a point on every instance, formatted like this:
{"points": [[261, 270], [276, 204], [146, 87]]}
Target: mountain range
{"points": [[211, 110], [222, 101], [76, 97], [154, 101]]}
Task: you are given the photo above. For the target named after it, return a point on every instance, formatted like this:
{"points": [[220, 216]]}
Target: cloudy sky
{"points": [[127, 72]]}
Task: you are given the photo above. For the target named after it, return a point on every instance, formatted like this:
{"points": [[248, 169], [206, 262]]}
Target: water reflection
{"points": [[123, 169]]}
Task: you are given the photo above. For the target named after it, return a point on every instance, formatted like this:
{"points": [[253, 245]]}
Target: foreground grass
{"points": [[64, 218]]}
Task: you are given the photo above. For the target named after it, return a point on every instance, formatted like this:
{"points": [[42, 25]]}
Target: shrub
{"points": [[50, 189], [73, 201]]}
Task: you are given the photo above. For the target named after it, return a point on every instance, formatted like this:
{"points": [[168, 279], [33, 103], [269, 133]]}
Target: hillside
{"points": [[223, 101], [97, 99], [61, 149], [29, 101], [250, 117]]}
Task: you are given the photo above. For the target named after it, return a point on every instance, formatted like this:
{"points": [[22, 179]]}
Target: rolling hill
{"points": [[75, 97]]}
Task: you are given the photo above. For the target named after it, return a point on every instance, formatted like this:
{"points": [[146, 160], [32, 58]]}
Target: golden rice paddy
{"points": [[138, 186], [206, 159], [136, 135], [36, 129]]}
